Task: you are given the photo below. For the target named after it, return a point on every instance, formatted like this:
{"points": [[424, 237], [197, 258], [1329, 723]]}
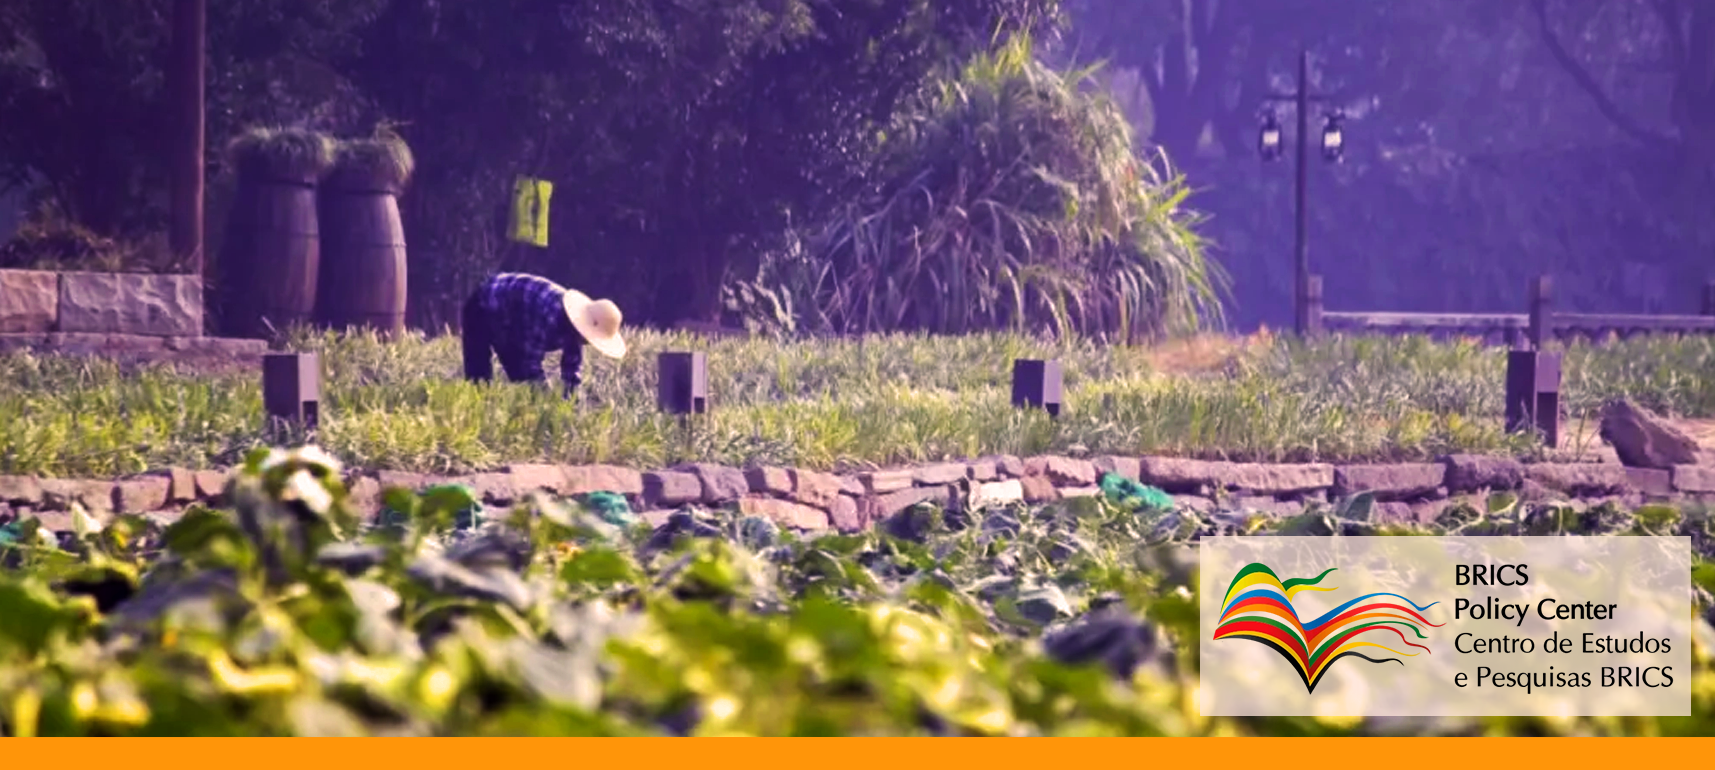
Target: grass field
{"points": [[402, 405]]}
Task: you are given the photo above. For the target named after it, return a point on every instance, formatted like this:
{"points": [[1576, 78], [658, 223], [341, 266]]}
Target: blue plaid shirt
{"points": [[528, 320]]}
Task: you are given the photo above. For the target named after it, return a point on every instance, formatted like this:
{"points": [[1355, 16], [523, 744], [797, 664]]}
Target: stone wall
{"points": [[39, 302], [811, 500]]}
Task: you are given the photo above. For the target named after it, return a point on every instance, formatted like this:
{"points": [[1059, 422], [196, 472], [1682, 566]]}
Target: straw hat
{"points": [[598, 320]]}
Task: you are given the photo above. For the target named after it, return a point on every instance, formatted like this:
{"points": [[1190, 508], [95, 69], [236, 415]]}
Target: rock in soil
{"points": [[1643, 440]]}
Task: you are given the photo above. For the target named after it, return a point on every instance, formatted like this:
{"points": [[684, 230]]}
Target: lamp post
{"points": [[1333, 146]]}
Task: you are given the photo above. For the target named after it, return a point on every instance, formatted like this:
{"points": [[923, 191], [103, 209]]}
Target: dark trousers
{"points": [[481, 345]]}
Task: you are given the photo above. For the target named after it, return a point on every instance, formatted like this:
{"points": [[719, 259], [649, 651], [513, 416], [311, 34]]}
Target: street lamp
{"points": [[1333, 139], [1268, 143], [1333, 146]]}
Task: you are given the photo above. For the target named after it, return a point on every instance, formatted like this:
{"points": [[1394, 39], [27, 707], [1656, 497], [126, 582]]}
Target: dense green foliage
{"points": [[1014, 198], [88, 76], [47, 240], [899, 398], [286, 616], [684, 138], [692, 141]]}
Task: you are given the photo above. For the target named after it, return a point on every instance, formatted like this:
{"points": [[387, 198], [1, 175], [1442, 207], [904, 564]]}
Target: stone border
{"points": [[812, 500], [146, 304], [240, 350]]}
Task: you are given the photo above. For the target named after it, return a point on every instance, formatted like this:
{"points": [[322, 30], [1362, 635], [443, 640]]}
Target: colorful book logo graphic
{"points": [[1258, 607]]}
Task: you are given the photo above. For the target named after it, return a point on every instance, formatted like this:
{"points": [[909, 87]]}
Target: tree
{"points": [[1473, 163], [187, 79], [79, 73], [683, 136], [1206, 65], [1647, 65], [88, 76]]}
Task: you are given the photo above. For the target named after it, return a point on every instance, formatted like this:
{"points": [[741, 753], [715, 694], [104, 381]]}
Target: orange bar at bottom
{"points": [[818, 754]]}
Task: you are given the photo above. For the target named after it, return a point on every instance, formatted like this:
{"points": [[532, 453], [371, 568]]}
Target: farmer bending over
{"points": [[522, 317]]}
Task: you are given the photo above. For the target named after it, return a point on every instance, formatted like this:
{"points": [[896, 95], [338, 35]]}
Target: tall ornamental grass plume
{"points": [[380, 162], [1013, 197], [264, 152]]}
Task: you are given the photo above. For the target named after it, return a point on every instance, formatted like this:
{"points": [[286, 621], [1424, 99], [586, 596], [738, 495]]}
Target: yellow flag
{"points": [[530, 211]]}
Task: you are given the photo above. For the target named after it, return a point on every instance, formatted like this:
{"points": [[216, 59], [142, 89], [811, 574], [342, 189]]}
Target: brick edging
{"points": [[809, 499]]}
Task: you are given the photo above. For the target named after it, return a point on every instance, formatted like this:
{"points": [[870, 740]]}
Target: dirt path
{"points": [[1583, 442], [1202, 354], [1702, 430]]}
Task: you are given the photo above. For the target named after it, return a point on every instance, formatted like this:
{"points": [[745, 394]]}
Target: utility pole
{"points": [[1332, 146], [1301, 238], [187, 74]]}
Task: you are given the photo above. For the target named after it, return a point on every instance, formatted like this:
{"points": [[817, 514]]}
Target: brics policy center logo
{"points": [[1258, 607]]}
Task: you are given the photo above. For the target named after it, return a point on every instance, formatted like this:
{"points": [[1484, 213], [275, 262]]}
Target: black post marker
{"points": [[292, 388], [1037, 384]]}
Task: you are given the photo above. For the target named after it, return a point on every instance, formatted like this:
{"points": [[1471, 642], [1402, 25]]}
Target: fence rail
{"points": [[1515, 329]]}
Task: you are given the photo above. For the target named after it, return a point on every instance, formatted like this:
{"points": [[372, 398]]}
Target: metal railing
{"points": [[1541, 323]]}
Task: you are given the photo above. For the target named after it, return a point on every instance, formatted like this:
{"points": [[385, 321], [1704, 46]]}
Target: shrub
{"points": [[1014, 198], [48, 240]]}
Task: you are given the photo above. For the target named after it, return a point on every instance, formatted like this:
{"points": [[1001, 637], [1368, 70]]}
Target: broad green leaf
{"points": [[1502, 503], [402, 502], [1656, 518], [33, 616], [83, 525], [598, 566]]}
